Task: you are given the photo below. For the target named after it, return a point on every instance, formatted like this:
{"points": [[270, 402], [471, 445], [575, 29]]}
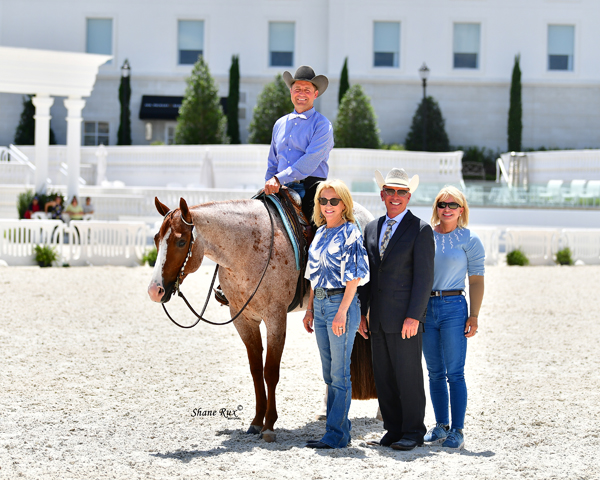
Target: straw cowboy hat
{"points": [[306, 73], [397, 178]]}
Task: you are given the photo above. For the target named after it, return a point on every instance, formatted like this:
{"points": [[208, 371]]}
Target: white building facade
{"points": [[469, 46]]}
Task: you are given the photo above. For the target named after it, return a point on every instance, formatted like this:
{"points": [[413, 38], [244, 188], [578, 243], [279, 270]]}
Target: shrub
{"points": [[356, 123], [124, 132], [45, 255], [517, 257], [392, 146], [344, 82], [515, 110], [435, 136], [201, 119], [150, 257], [233, 100], [273, 103], [564, 257], [484, 155]]}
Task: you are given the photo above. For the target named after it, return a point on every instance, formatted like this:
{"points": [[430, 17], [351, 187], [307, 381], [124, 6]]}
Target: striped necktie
{"points": [[386, 237]]}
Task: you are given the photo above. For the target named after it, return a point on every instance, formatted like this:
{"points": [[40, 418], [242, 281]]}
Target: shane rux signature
{"points": [[228, 413]]}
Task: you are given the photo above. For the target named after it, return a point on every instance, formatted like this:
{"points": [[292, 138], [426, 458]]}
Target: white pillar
{"points": [[42, 103], [74, 107]]}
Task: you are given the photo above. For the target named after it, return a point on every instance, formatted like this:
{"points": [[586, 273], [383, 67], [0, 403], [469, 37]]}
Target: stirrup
{"points": [[220, 296]]}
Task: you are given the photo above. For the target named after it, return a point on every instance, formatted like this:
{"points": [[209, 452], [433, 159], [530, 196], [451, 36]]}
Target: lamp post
{"points": [[424, 74]]}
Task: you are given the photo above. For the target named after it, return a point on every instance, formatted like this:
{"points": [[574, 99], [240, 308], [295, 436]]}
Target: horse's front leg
{"points": [[249, 331], [276, 329]]}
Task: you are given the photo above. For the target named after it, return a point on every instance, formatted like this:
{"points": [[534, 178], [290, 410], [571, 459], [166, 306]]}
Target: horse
{"points": [[237, 235]]}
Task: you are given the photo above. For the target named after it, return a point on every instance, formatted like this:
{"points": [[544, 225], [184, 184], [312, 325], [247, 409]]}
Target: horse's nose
{"points": [[156, 292]]}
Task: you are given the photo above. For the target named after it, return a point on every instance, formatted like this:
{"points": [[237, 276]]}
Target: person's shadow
{"points": [[237, 440]]}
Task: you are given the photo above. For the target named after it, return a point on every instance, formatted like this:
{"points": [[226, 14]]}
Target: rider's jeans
{"points": [[335, 356]]}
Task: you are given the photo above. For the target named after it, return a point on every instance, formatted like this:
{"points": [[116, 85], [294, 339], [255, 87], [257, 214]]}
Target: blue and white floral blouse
{"points": [[336, 256]]}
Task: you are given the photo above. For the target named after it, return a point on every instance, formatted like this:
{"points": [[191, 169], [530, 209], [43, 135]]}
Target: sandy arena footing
{"points": [[96, 382]]}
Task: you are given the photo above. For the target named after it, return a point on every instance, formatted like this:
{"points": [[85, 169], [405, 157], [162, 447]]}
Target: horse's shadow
{"points": [[287, 439]]}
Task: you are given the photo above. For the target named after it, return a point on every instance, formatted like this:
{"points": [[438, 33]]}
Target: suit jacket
{"points": [[401, 281]]}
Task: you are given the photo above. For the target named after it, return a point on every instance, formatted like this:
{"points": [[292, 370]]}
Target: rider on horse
{"points": [[301, 141]]}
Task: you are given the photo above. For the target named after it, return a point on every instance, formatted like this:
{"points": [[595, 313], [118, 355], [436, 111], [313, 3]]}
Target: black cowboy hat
{"points": [[306, 73]]}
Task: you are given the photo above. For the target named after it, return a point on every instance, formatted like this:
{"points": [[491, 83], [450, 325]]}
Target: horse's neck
{"points": [[229, 229]]}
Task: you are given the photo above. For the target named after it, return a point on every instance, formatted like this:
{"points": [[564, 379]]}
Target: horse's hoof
{"points": [[254, 429], [268, 436]]}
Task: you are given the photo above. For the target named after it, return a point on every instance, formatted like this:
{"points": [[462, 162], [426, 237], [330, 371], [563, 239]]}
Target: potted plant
{"points": [[45, 255], [150, 257]]}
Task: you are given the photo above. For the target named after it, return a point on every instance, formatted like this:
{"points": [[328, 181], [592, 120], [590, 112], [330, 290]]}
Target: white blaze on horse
{"points": [[237, 236]]}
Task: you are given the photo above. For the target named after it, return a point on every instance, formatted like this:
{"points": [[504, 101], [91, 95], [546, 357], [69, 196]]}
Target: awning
{"points": [[160, 108]]}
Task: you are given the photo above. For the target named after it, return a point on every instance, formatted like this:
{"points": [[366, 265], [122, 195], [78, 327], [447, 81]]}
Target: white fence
{"points": [[584, 244], [237, 166], [539, 245], [80, 243]]}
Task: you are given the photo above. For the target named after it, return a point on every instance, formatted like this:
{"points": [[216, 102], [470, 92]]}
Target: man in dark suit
{"points": [[401, 251]]}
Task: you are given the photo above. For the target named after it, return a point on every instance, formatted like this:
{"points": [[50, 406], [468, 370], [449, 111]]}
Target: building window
{"points": [[561, 47], [466, 45], [95, 133], [170, 133], [281, 44], [386, 44], [190, 41], [99, 36]]}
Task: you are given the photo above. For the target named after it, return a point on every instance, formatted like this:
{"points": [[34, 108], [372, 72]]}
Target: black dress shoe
{"points": [[385, 441], [406, 444], [317, 445]]}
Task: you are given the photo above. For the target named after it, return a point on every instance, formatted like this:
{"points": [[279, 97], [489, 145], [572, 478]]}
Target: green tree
{"points": [[124, 132], [25, 133], [273, 103], [435, 136], [201, 119], [233, 124], [344, 82], [356, 123], [515, 111]]}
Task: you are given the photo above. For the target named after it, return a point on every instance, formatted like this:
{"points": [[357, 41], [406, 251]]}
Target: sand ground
{"points": [[95, 382]]}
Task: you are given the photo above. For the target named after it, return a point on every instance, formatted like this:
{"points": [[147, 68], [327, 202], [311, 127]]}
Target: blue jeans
{"points": [[445, 351], [335, 356]]}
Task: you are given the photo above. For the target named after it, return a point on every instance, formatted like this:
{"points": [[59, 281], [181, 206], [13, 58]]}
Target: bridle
{"points": [[181, 274]]}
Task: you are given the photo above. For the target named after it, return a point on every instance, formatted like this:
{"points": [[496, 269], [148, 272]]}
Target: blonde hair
{"points": [[342, 190], [459, 197]]}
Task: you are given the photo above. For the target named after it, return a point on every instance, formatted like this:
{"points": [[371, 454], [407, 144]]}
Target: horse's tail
{"points": [[361, 370]]}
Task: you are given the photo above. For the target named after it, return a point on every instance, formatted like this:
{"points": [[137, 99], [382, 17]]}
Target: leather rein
{"points": [[189, 255]]}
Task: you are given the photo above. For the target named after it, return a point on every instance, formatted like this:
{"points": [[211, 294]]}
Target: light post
{"points": [[424, 74]]}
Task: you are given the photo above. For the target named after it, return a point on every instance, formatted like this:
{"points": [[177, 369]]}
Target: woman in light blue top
{"points": [[337, 265], [458, 253]]}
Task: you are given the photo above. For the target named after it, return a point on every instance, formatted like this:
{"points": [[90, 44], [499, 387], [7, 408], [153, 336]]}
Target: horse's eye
{"points": [[181, 243]]}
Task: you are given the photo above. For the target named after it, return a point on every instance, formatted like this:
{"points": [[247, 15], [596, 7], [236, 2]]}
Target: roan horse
{"points": [[236, 234]]}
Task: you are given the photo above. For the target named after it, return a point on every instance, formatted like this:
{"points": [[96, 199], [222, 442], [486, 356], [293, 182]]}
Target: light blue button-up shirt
{"points": [[300, 147]]}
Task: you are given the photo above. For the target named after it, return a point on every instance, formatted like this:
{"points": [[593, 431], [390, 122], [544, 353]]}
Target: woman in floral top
{"points": [[337, 265]]}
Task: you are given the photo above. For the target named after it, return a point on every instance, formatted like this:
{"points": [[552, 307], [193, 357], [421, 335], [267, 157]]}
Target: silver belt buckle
{"points": [[320, 293]]}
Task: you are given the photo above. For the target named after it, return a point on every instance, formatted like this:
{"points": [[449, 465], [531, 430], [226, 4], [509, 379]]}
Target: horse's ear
{"points": [[185, 211], [161, 207]]}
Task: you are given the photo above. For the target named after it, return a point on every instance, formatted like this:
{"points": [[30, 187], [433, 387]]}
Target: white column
{"points": [[42, 103], [74, 107]]}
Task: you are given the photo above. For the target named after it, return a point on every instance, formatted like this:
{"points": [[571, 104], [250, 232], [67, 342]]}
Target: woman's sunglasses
{"points": [[334, 201], [451, 205]]}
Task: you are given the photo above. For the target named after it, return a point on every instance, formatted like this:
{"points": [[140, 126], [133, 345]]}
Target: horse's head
{"points": [[175, 243]]}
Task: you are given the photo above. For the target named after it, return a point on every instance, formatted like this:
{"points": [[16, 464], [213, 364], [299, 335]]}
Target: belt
{"points": [[321, 293], [447, 293]]}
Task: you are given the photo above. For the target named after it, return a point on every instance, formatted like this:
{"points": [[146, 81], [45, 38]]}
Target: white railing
{"points": [[79, 243], [539, 245], [490, 237], [583, 243], [240, 166]]}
